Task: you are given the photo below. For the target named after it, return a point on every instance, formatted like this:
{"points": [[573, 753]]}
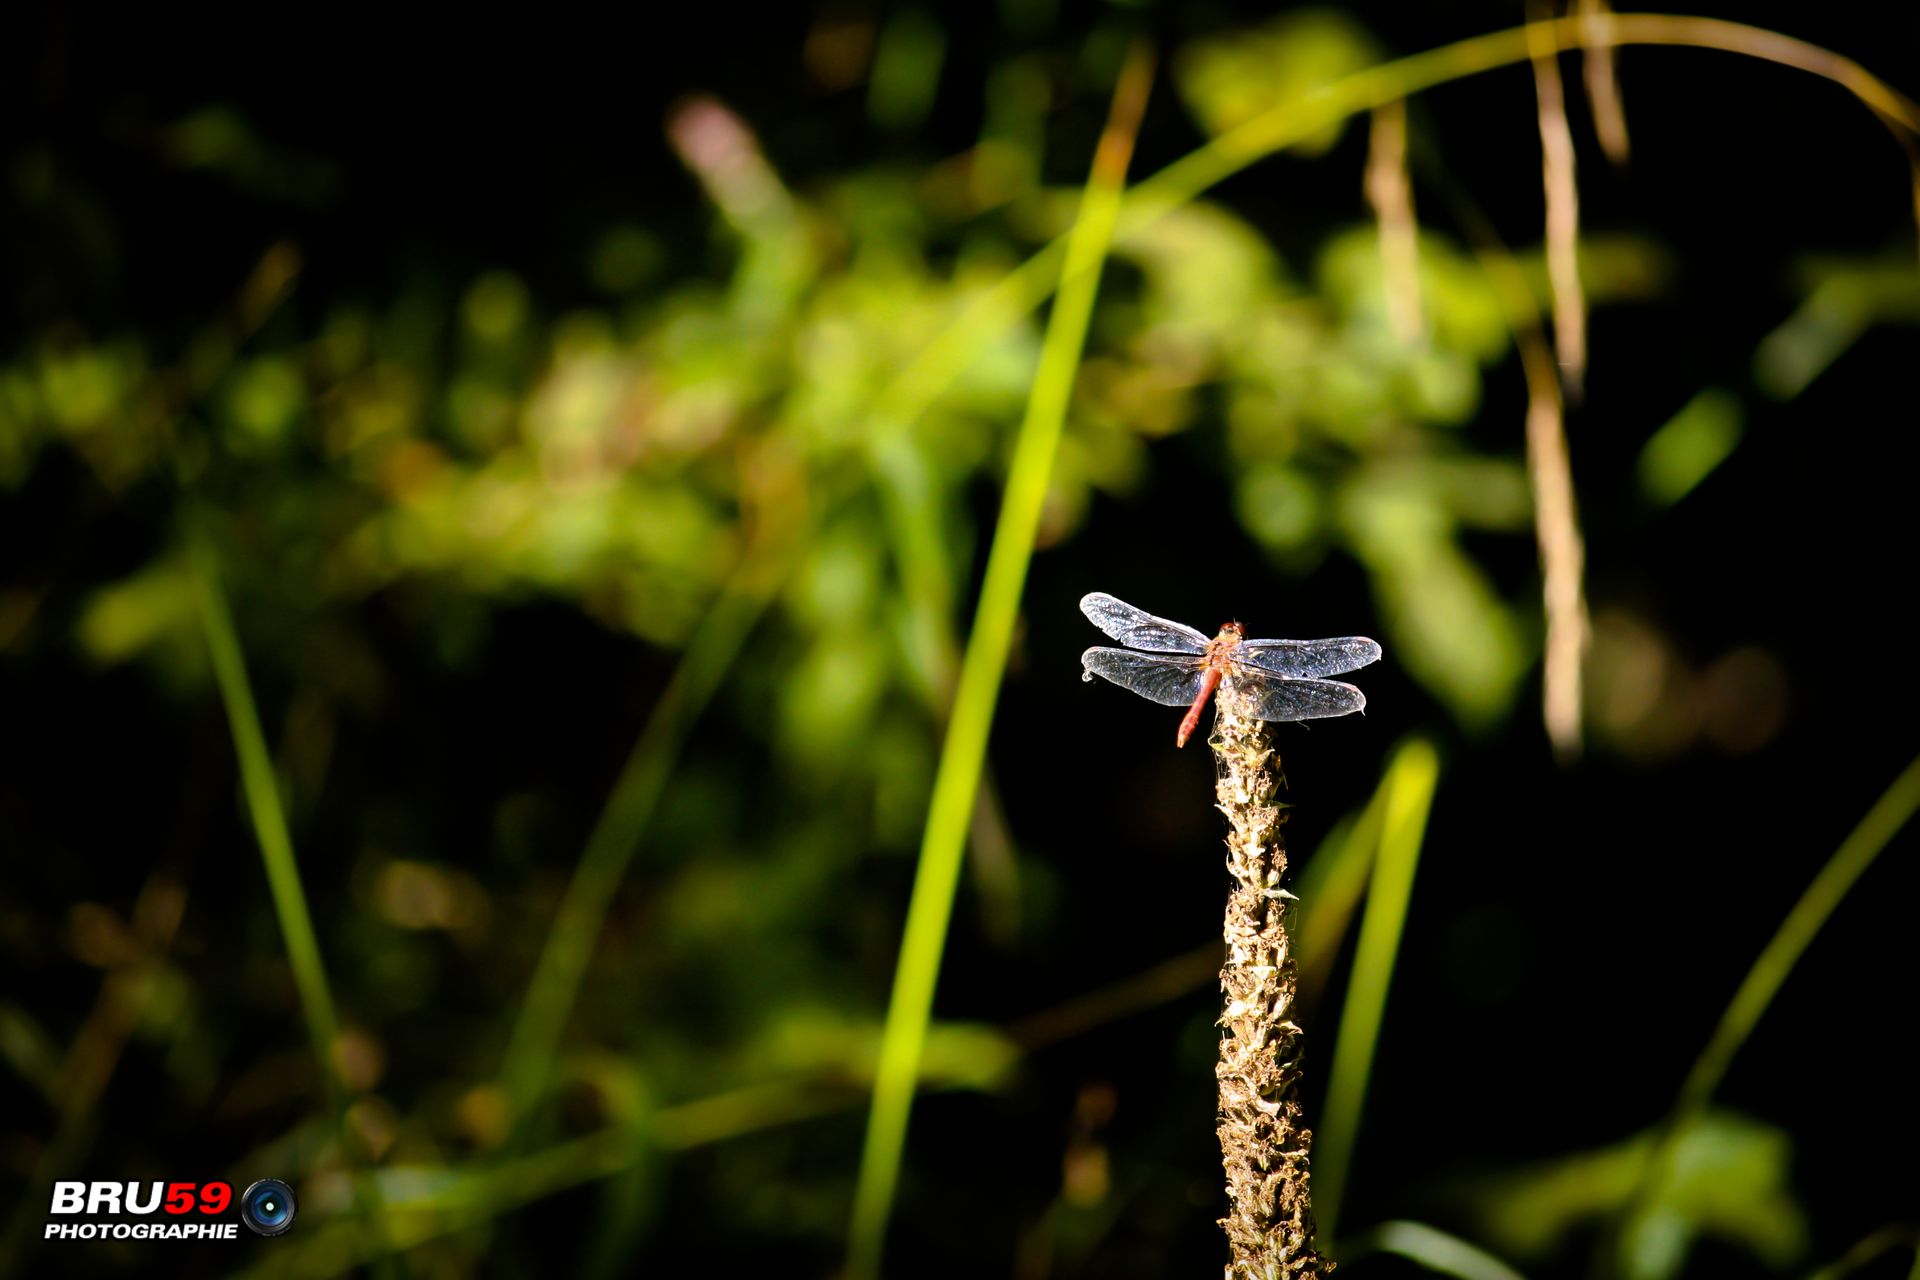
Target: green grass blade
{"points": [[1900, 1238], [616, 835], [1891, 812], [1432, 1248], [1408, 794], [911, 503], [963, 756], [1849, 862], [1332, 884], [262, 791], [426, 1201]]}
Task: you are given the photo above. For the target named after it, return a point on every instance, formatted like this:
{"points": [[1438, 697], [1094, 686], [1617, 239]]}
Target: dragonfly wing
{"points": [[1308, 659], [1138, 629], [1171, 681], [1282, 699]]}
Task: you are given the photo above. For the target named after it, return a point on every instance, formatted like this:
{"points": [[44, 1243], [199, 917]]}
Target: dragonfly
{"points": [[1181, 667]]}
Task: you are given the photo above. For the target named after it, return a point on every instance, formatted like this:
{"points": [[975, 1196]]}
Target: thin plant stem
{"points": [[1407, 799], [724, 155], [262, 790], [616, 835], [963, 756], [1849, 862], [1902, 1237], [1889, 814], [910, 499]]}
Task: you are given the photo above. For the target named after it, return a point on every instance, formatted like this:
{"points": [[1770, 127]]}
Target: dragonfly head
{"points": [[1232, 632]]}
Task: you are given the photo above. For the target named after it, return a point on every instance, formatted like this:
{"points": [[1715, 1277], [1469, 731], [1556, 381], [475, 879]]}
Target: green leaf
{"points": [[156, 607], [1686, 450], [1446, 623]]}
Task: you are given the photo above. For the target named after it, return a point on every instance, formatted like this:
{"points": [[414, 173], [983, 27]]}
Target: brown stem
{"points": [[1264, 1145]]}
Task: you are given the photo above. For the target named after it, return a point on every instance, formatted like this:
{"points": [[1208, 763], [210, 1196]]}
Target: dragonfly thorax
{"points": [[1231, 634]]}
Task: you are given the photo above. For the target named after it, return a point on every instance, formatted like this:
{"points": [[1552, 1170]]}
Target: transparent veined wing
{"points": [[1138, 629], [1308, 659], [1164, 678], [1279, 699]]}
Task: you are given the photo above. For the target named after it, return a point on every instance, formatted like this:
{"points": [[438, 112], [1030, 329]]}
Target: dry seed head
{"points": [[1264, 1144]]}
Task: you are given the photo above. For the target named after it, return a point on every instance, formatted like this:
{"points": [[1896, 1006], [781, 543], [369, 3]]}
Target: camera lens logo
{"points": [[268, 1207]]}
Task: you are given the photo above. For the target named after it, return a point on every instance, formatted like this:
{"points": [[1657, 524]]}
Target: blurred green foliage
{"points": [[606, 456], [1730, 1180], [1686, 450], [1229, 79], [716, 418]]}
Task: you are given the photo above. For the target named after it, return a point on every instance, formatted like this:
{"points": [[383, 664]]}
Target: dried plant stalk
{"points": [[1563, 553], [1390, 192], [1603, 78], [1556, 517], [1563, 206], [1264, 1145]]}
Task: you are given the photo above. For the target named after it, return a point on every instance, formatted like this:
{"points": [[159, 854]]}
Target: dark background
{"points": [[1575, 929]]}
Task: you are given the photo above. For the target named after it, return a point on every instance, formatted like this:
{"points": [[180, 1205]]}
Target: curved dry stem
{"points": [[1284, 126]]}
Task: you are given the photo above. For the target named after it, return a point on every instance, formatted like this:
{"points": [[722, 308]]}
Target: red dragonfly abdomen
{"points": [[1208, 681]]}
